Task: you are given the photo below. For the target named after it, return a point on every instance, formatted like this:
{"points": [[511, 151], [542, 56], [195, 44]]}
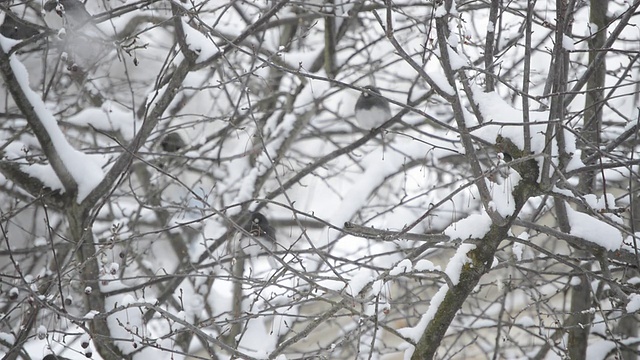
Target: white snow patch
{"points": [[454, 267], [526, 321], [39, 241], [594, 230], [425, 265], [109, 117], [453, 270], [634, 303], [440, 11], [7, 338], [376, 287], [517, 250], [441, 81], [453, 40], [567, 43], [91, 314], [402, 267], [123, 324], [257, 340], [503, 119], [634, 280], [198, 42], [600, 349], [41, 332], [457, 61], [358, 282], [334, 285], [475, 226], [416, 332], [502, 194], [575, 162], [85, 171]]}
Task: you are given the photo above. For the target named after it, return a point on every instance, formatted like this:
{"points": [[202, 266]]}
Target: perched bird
{"points": [[172, 142], [54, 357], [259, 227], [72, 13], [372, 109], [16, 28], [263, 239]]}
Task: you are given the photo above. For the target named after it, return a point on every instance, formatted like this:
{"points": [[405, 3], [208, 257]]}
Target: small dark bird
{"points": [[54, 357], [259, 227], [263, 239], [372, 109], [14, 27], [172, 142], [72, 12]]}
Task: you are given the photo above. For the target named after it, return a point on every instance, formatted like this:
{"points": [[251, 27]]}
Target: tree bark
{"points": [[581, 295]]}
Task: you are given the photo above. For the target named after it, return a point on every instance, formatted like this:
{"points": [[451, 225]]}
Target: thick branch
{"points": [[24, 98]]}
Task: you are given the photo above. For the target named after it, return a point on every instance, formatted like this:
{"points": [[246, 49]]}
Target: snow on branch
{"points": [[78, 172]]}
